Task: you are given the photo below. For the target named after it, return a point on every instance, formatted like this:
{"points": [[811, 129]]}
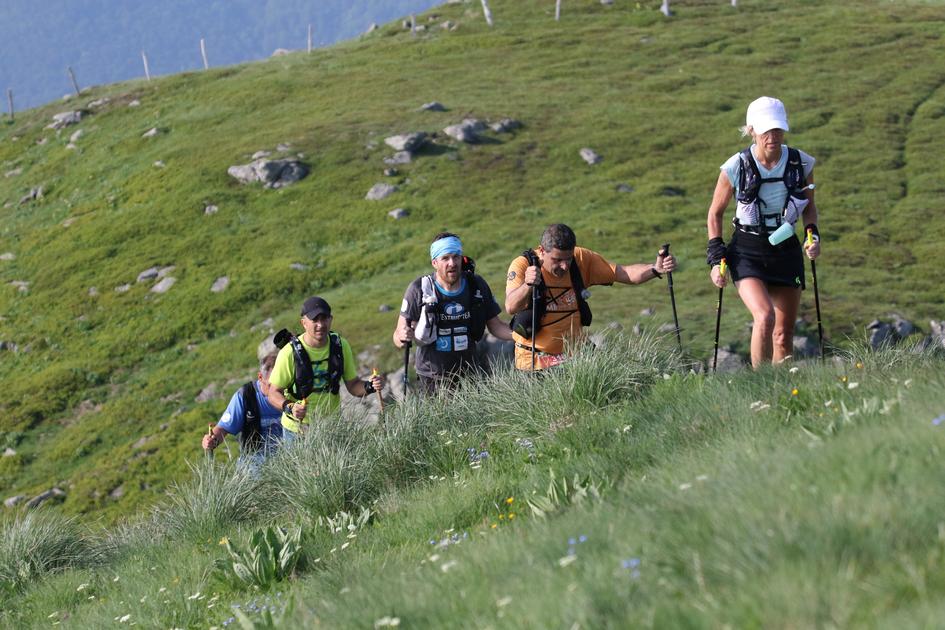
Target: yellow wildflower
{"points": [[511, 515], [510, 500], [224, 541], [794, 392]]}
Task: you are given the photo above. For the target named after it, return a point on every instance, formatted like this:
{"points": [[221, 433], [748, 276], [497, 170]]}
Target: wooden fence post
{"points": [[557, 10], [487, 12], [310, 38], [147, 70], [75, 84], [10, 102], [203, 53]]}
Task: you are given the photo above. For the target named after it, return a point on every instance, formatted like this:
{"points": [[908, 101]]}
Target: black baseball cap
{"points": [[315, 306]]}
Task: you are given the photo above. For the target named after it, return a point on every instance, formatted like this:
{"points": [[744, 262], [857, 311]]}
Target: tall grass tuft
{"points": [[212, 501], [37, 543]]}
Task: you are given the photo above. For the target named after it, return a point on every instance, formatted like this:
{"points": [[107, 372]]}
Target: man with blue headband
{"points": [[446, 313]]}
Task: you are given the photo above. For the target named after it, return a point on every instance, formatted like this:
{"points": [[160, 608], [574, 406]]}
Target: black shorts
{"points": [[752, 256]]}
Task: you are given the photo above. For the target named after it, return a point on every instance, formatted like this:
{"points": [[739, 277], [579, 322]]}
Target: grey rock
{"points": [[141, 442], [220, 284], [209, 392], [283, 147], [211, 209], [8, 346], [805, 347], [266, 347], [298, 267], [590, 156], [123, 288], [407, 141], [881, 334], [401, 157], [164, 285], [395, 381], [7, 256], [280, 52], [492, 352], [607, 3], [506, 125], [398, 213], [93, 292], [159, 164], [391, 172], [75, 136], [39, 499], [433, 106], [261, 154], [265, 324], [64, 119], [14, 172], [672, 191], [624, 188], [467, 131], [118, 492], [164, 271], [42, 141], [22, 286], [902, 327], [134, 103], [13, 501], [666, 328], [272, 173], [448, 25], [420, 28], [937, 336], [148, 274], [150, 133], [373, 27], [380, 191], [71, 147], [35, 194], [384, 308], [8, 452], [647, 312], [100, 102], [728, 361]]}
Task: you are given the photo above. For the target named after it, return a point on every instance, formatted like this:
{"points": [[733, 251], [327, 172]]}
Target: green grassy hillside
{"points": [[660, 100]]}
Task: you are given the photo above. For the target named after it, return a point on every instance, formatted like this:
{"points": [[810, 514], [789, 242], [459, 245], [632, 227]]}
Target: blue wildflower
{"points": [[582, 538], [572, 542], [939, 420]]}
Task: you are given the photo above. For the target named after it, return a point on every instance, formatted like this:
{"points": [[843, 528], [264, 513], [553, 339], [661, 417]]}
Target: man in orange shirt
{"points": [[562, 272]]}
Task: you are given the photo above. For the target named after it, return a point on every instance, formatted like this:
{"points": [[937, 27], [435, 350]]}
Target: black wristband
{"points": [[368, 387], [715, 251], [656, 273], [813, 229]]}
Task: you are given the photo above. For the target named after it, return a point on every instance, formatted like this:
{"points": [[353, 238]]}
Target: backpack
{"points": [[426, 330], [303, 385], [251, 440], [522, 321], [748, 211]]}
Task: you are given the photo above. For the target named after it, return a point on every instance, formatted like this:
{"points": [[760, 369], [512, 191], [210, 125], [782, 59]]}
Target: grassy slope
{"points": [[821, 509], [660, 100]]}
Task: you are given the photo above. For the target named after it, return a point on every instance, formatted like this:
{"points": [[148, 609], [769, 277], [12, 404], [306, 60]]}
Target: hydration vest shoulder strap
{"points": [[336, 362], [577, 284], [304, 375], [250, 436]]}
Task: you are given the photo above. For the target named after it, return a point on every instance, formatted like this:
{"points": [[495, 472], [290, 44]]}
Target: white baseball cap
{"points": [[765, 114]]}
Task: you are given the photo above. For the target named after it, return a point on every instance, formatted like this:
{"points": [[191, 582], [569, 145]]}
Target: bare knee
{"points": [[764, 321], [783, 337]]}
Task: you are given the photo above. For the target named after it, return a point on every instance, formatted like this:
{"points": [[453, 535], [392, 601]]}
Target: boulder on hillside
{"points": [[280, 52], [209, 392], [624, 188], [380, 191], [52, 493], [266, 347], [433, 106], [150, 133], [590, 156], [13, 501], [220, 284], [164, 285], [5, 256], [506, 125], [805, 347], [148, 274], [35, 194], [407, 142], [65, 119], [467, 131], [902, 327], [272, 173], [398, 213], [728, 361], [401, 157]]}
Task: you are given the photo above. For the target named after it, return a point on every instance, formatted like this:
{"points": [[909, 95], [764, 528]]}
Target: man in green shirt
{"points": [[309, 369]]}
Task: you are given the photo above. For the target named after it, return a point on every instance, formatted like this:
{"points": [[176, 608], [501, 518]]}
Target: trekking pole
{"points": [[534, 320], [210, 433], [664, 251], [380, 397], [813, 271], [406, 363], [718, 316]]}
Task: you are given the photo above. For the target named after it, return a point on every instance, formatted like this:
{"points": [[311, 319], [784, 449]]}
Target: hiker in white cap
{"points": [[773, 186]]}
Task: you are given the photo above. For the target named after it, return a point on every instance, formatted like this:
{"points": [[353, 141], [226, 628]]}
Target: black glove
{"points": [[715, 251], [368, 387]]}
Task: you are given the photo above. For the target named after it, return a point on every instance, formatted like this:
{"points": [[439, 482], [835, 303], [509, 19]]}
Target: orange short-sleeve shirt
{"points": [[562, 319]]}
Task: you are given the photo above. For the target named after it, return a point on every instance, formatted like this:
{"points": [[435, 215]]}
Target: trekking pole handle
{"points": [[723, 268], [810, 237], [664, 250]]}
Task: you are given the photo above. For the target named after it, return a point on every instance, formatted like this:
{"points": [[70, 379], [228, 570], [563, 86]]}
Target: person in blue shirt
{"points": [[260, 434]]}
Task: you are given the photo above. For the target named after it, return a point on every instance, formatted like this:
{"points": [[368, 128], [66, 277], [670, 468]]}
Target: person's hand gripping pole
{"points": [[377, 390]]}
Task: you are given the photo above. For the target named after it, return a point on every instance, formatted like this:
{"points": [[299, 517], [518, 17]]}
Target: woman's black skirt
{"points": [[752, 256]]}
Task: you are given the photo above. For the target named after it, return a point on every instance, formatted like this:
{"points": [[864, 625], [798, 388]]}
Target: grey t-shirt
{"points": [[454, 349]]}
